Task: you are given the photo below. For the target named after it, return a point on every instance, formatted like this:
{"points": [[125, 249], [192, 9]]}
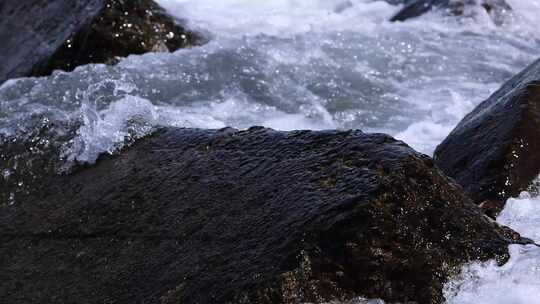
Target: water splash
{"points": [[518, 281], [288, 64], [283, 64]]}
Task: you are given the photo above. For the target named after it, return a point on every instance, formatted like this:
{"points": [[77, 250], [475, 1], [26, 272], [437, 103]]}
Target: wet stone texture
{"points": [[414, 8], [30, 157], [255, 216], [493, 152], [62, 34]]}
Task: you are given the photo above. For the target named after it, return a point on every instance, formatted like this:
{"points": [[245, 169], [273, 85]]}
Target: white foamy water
{"points": [[518, 281], [285, 64], [303, 64]]}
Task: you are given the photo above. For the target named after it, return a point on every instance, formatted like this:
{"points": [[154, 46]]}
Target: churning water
{"points": [[298, 64], [518, 281]]}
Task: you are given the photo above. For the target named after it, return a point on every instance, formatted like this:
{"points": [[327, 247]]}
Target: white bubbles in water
{"points": [[399, 78], [516, 282], [283, 64], [104, 131], [304, 64], [523, 215], [424, 136], [131, 117]]}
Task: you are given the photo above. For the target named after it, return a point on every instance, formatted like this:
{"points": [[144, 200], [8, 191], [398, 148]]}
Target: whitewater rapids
{"points": [[304, 64]]}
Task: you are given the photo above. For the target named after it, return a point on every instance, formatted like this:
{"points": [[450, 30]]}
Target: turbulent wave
{"points": [[287, 64], [518, 281]]}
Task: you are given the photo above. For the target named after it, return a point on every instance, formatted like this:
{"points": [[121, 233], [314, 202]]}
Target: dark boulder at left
{"points": [[255, 216], [414, 8], [39, 36], [494, 151]]}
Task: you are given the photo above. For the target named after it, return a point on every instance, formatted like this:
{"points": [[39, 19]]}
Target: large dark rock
{"points": [[414, 8], [39, 36], [493, 151], [256, 216]]}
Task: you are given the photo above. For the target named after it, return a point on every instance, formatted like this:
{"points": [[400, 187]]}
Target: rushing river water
{"points": [[300, 64]]}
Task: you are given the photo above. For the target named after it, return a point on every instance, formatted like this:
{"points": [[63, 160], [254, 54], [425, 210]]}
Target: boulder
{"points": [[254, 216], [414, 8], [39, 36], [493, 151]]}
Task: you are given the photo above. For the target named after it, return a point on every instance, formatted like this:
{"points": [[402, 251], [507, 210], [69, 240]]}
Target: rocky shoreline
{"points": [[204, 216], [249, 216]]}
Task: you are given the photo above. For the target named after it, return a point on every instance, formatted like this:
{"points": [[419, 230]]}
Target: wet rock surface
{"points": [[493, 152], [414, 8], [255, 216], [40, 36]]}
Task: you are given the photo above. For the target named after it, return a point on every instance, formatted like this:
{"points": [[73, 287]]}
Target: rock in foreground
{"points": [[414, 8], [40, 36], [256, 216], [493, 151]]}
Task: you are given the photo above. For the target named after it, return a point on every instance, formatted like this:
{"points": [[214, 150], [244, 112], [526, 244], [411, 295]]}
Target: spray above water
{"points": [[280, 64], [285, 65]]}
